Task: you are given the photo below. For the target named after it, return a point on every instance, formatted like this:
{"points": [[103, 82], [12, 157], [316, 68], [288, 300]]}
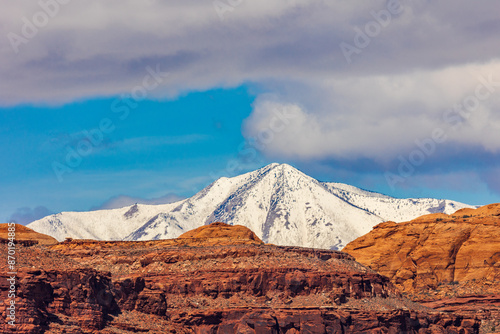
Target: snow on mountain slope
{"points": [[279, 203], [286, 207], [390, 208], [113, 224], [142, 222], [192, 212]]}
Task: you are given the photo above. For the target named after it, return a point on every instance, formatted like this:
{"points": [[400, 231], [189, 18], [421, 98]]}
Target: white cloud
{"points": [[378, 117], [425, 60]]}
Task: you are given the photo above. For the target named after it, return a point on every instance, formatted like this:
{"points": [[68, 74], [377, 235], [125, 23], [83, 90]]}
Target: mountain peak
{"points": [[282, 170], [281, 204], [272, 165], [275, 165]]}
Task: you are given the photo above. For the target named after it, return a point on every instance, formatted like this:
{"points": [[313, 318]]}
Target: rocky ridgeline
{"points": [[217, 279]]}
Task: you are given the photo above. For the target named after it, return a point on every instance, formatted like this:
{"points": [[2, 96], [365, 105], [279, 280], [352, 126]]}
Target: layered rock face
{"points": [[434, 249], [194, 285], [449, 262]]}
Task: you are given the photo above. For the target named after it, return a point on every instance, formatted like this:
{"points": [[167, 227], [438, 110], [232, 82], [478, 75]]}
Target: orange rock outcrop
{"points": [[447, 262], [434, 249], [221, 233], [26, 235]]}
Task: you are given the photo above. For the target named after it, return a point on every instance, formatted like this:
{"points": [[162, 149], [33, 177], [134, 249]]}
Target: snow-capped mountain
{"points": [[280, 204], [390, 208]]}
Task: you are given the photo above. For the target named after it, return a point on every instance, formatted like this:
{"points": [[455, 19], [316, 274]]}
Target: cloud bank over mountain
{"points": [[368, 82]]}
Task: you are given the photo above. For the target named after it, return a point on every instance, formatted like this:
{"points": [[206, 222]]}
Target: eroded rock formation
{"points": [[434, 249], [448, 262], [193, 285]]}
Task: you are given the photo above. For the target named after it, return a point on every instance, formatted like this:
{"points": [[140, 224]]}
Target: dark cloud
{"points": [[27, 215], [367, 106], [257, 41]]}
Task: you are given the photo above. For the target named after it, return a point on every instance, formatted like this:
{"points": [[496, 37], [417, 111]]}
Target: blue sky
{"points": [[111, 103]]}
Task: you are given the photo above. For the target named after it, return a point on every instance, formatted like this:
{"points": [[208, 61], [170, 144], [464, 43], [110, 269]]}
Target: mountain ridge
{"points": [[281, 204]]}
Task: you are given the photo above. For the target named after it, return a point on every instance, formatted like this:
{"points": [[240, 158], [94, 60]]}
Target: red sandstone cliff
{"points": [[452, 262], [194, 285]]}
